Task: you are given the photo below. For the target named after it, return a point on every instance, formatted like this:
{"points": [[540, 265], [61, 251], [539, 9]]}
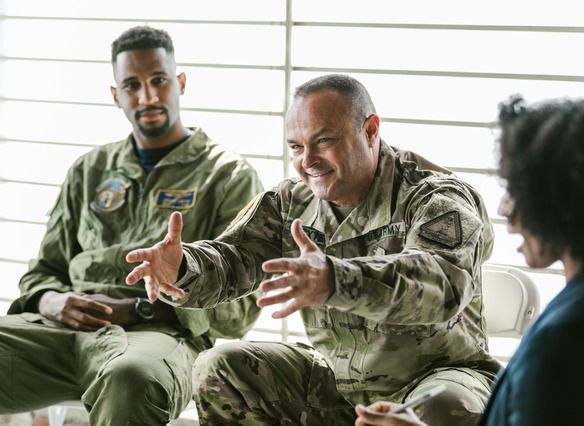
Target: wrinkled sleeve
{"points": [[234, 319], [49, 271], [230, 266], [436, 274]]}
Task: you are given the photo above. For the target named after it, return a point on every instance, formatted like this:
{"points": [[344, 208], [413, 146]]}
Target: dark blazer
{"points": [[544, 381]]}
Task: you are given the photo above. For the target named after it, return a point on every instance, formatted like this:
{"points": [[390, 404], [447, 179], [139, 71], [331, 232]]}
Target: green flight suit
{"points": [[405, 313], [108, 206]]}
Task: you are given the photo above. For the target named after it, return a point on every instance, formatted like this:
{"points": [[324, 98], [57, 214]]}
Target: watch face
{"points": [[144, 309]]}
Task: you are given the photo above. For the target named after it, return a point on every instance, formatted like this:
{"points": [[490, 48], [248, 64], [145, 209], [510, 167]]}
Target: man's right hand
{"points": [[160, 263], [76, 311]]}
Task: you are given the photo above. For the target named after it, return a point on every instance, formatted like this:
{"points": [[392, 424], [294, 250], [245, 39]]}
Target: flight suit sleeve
{"points": [[50, 270], [437, 273], [230, 266]]}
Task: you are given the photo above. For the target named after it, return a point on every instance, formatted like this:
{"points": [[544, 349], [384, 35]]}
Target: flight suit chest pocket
{"points": [[99, 229]]}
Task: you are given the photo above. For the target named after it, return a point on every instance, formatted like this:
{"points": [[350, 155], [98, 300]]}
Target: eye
{"points": [[131, 85], [157, 81], [295, 147], [325, 140]]}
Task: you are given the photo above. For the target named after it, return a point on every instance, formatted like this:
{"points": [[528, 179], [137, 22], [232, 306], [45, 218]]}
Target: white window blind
{"points": [[436, 71]]}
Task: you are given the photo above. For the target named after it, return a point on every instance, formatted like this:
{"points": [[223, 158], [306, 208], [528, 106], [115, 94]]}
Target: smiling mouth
{"points": [[319, 174]]}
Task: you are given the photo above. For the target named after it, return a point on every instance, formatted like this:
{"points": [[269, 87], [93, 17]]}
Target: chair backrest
{"points": [[510, 299]]}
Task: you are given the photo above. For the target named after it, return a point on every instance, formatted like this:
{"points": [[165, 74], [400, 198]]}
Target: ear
{"points": [[114, 92], [182, 82], [372, 129]]}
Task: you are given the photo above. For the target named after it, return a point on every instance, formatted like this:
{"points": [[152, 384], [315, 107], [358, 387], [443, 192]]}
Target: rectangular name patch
{"points": [[392, 230], [316, 236], [175, 198]]}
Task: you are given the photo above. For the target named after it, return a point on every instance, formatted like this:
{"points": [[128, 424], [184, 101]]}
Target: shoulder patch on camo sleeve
{"points": [[445, 229], [249, 206]]}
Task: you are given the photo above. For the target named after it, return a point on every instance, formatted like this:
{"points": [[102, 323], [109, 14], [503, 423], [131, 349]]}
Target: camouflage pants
{"points": [[254, 383]]}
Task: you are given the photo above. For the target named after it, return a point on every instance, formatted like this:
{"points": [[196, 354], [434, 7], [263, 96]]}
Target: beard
{"points": [[153, 132]]}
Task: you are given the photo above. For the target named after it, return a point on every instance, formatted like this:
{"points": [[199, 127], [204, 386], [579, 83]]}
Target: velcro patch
{"points": [[446, 229], [110, 195], [397, 229], [249, 206], [176, 198], [316, 236]]}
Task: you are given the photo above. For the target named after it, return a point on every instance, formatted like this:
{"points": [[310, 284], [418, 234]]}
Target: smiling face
{"points": [[335, 157], [148, 92]]}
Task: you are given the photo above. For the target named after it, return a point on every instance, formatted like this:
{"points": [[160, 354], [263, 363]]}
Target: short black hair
{"points": [[541, 159], [362, 105], [141, 37]]}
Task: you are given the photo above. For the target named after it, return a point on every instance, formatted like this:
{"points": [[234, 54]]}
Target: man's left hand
{"points": [[306, 280]]}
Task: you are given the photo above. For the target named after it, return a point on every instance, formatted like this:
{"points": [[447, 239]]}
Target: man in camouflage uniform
{"points": [[80, 333], [381, 252]]}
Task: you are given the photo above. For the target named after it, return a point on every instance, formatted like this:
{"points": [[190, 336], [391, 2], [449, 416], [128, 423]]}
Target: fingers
{"points": [[366, 418], [300, 237], [282, 265], [139, 255], [92, 305], [151, 287], [380, 407], [172, 291], [289, 308], [175, 225], [86, 321], [281, 297], [139, 272], [281, 281]]}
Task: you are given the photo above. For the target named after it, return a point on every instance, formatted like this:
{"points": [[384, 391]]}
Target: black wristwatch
{"points": [[144, 309]]}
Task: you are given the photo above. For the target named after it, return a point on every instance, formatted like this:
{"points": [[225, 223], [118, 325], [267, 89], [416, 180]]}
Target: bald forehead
{"points": [[321, 104]]}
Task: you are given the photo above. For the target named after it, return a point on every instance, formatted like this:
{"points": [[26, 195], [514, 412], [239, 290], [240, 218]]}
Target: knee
{"points": [[132, 381], [456, 405], [218, 363]]}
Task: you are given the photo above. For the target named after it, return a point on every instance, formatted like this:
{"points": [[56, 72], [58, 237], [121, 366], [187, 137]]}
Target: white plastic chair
{"points": [[511, 301], [57, 413]]}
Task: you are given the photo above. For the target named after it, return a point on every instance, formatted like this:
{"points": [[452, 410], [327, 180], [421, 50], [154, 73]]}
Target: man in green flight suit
{"points": [[379, 249], [78, 332]]}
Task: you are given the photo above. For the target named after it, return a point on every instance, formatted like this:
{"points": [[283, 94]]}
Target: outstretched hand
{"points": [[160, 263], [306, 280]]}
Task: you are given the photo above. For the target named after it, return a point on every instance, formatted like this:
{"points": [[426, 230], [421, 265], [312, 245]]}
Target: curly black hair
{"points": [[141, 37], [541, 158]]}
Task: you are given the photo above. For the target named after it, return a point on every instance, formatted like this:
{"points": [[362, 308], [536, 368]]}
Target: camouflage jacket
{"points": [[407, 273], [108, 206]]}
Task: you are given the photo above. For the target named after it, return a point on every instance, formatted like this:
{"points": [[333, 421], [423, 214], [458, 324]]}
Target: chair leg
{"points": [[57, 415]]}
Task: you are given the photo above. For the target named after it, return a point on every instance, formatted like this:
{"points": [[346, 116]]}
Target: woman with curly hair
{"points": [[542, 163]]}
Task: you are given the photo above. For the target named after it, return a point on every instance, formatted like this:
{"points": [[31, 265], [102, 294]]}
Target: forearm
{"points": [[407, 288], [33, 285], [217, 273]]}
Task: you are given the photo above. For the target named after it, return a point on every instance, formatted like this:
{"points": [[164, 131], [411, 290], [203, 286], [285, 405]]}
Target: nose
{"points": [[148, 96], [309, 157], [505, 206]]}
